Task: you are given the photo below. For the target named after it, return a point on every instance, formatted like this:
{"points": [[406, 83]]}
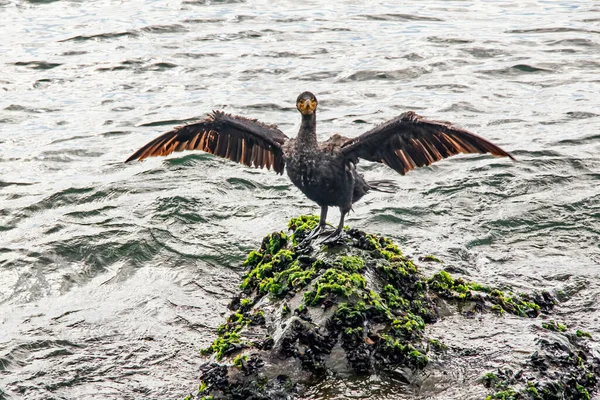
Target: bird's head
{"points": [[306, 103]]}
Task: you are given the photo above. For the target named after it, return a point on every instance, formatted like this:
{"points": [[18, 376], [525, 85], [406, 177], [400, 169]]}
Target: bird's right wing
{"points": [[236, 138], [411, 141]]}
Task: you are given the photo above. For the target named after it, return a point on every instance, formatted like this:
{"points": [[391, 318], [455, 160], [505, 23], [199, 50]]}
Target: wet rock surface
{"points": [[359, 307], [564, 367]]}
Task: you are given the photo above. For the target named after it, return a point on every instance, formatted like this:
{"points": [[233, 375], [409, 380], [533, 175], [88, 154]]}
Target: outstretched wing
{"points": [[239, 139], [410, 141]]}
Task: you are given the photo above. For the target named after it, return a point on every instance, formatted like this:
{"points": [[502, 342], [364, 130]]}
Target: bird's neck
{"points": [[308, 130]]}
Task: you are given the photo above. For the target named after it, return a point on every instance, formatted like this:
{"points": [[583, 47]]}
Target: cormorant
{"points": [[325, 172]]}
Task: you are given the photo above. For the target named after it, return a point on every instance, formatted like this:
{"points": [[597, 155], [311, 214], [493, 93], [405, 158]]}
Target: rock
{"points": [[353, 308]]}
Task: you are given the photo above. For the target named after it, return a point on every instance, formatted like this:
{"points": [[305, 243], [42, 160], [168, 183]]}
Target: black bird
{"points": [[325, 172]]}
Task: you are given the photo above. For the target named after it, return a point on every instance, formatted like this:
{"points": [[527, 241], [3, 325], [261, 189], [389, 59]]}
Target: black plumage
{"points": [[325, 172]]}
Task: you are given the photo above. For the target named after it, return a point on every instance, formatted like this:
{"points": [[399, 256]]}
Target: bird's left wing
{"points": [[239, 139], [410, 141]]}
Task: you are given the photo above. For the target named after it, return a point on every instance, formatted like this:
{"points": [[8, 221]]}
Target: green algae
{"points": [[253, 258], [403, 353], [490, 379], [508, 394], [229, 338], [408, 326], [533, 391], [585, 394], [583, 334], [190, 397], [379, 326], [442, 282], [431, 258], [552, 325], [275, 242], [498, 309], [221, 346], [438, 346], [334, 282], [351, 263], [521, 305], [244, 303], [301, 226], [515, 305], [386, 248], [281, 283], [239, 360], [266, 267], [393, 297], [350, 315]]}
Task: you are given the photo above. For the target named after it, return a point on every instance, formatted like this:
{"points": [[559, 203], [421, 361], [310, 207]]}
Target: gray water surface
{"points": [[112, 276]]}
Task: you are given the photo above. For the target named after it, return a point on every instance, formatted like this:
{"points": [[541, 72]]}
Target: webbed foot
{"points": [[311, 235], [336, 236]]}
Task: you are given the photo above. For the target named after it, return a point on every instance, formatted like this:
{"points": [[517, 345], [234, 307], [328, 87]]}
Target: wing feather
{"points": [[410, 141], [239, 139]]}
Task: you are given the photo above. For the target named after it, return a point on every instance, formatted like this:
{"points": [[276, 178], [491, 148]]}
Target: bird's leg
{"points": [[318, 229], [339, 232]]}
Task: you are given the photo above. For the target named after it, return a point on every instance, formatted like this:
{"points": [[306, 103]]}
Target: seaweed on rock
{"points": [[564, 368], [355, 308]]}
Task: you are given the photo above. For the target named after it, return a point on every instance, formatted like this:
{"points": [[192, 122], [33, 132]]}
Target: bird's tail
{"points": [[384, 185]]}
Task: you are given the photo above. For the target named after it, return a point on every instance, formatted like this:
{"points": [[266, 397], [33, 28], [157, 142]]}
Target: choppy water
{"points": [[112, 275]]}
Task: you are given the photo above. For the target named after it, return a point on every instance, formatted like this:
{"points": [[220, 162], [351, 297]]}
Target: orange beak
{"points": [[307, 106]]}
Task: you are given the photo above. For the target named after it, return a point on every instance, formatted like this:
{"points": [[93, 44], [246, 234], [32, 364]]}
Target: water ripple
{"points": [[399, 17], [212, 2], [552, 30], [37, 64], [397, 75], [100, 36], [176, 28], [114, 274]]}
